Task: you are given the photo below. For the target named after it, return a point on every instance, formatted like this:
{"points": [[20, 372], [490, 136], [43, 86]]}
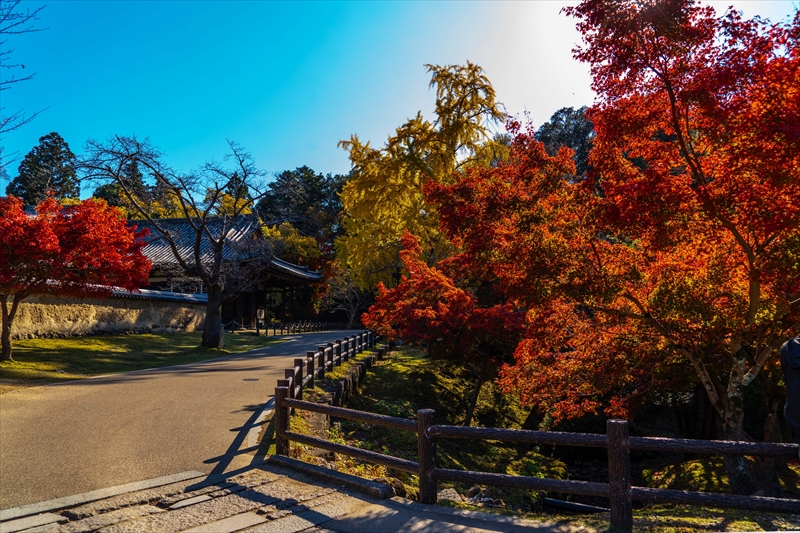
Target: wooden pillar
{"points": [[291, 303], [619, 476], [281, 421], [310, 368], [298, 377], [427, 457]]}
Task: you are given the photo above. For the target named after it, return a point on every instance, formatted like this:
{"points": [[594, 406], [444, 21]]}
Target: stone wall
{"points": [[49, 316]]}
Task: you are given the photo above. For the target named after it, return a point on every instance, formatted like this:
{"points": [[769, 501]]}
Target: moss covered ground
{"points": [[43, 361]]}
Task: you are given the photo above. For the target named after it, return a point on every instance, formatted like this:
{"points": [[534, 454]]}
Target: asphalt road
{"points": [[69, 438]]}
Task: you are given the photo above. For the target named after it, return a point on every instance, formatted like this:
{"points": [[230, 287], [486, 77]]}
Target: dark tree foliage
{"points": [[569, 127], [238, 188], [307, 200], [112, 192], [50, 166]]}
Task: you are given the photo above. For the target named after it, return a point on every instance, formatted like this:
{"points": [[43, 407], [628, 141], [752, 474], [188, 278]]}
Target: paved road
{"points": [[75, 437]]}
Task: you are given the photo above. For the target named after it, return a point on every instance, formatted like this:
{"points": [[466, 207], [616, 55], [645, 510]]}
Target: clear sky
{"points": [[287, 80]]}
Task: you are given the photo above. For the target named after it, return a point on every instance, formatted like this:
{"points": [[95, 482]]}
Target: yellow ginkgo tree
{"points": [[383, 197]]}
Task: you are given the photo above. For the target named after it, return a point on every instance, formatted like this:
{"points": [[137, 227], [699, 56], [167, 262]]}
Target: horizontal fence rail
{"points": [[617, 441], [367, 455], [586, 488], [517, 435], [352, 414]]}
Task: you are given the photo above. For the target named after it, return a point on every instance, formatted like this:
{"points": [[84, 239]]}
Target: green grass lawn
{"points": [[41, 361]]}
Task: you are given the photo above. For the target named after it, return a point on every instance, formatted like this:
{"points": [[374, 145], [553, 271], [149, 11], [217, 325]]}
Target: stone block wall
{"points": [[52, 316]]}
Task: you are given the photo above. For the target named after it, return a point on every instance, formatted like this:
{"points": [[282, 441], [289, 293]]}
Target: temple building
{"points": [[260, 286]]}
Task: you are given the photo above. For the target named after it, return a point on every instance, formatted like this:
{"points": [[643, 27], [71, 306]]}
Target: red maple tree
{"points": [[677, 261], [82, 250], [429, 308]]}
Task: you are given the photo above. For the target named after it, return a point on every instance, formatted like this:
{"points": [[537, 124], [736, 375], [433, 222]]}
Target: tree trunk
{"points": [[212, 325], [474, 399], [7, 320], [740, 475]]}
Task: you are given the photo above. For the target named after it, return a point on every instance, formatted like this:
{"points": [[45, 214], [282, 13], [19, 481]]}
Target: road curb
{"points": [[380, 491], [86, 497]]}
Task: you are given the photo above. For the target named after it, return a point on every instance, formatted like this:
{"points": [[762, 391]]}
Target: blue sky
{"points": [[287, 80]]}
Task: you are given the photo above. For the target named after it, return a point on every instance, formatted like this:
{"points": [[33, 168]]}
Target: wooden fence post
{"points": [[427, 457], [338, 353], [281, 421], [619, 475], [310, 367], [298, 377], [380, 353]]}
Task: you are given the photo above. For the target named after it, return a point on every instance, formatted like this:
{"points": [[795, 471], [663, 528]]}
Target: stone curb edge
{"points": [[86, 497], [374, 489]]}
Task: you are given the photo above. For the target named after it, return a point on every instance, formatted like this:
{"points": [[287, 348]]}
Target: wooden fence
{"points": [[280, 328], [616, 441], [316, 363]]}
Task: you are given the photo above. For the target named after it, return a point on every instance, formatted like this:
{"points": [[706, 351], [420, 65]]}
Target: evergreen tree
{"points": [[50, 166], [571, 128], [307, 200]]}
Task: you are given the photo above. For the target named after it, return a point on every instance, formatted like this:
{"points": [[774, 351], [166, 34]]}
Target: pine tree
{"points": [[50, 166]]}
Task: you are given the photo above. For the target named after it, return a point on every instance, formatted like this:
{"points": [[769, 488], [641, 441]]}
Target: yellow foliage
{"points": [[384, 195], [290, 245], [228, 205], [168, 206]]}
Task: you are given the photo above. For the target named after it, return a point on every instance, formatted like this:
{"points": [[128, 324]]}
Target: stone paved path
{"points": [[263, 499]]}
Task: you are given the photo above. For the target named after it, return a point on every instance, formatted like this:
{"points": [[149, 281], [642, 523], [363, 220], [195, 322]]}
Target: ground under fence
{"points": [[617, 441]]}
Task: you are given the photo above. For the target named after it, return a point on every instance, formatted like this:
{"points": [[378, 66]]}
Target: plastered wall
{"points": [[48, 316]]}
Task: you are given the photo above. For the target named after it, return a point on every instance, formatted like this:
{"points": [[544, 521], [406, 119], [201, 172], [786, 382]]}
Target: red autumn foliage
{"points": [[428, 308], [81, 250], [677, 261]]}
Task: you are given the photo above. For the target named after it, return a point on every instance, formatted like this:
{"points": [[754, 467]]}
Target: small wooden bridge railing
{"points": [[616, 441], [326, 357]]}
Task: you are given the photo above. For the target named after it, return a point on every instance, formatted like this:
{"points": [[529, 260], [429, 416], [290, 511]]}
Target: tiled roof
{"points": [[246, 227], [183, 234], [144, 294]]}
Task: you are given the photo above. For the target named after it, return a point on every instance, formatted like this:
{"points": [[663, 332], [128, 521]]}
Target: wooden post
{"points": [[338, 353], [619, 475], [281, 421], [427, 457], [380, 353], [289, 375], [298, 377], [310, 367]]}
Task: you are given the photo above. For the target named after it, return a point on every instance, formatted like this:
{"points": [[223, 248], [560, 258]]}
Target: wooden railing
{"points": [[316, 363], [278, 328], [616, 441]]}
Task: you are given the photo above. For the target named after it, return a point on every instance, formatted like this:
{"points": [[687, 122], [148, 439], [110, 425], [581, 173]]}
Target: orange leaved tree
{"points": [[80, 250]]}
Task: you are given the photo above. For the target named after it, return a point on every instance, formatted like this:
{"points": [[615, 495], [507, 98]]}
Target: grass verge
{"points": [[43, 361]]}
